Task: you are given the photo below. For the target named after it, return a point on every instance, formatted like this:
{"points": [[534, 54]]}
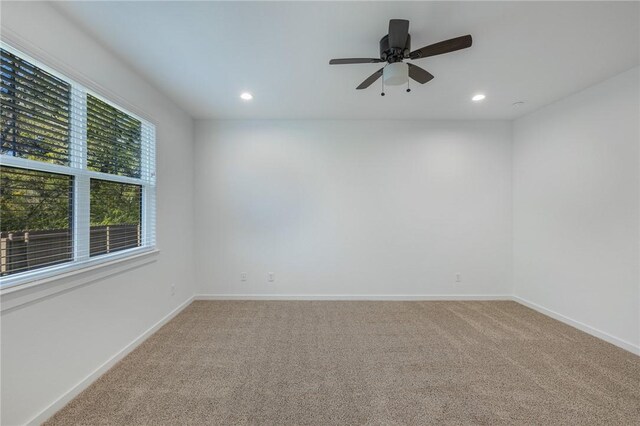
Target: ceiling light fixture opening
{"points": [[246, 96], [479, 97]]}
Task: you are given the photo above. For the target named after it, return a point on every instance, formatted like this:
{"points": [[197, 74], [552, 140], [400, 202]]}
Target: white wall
{"points": [[52, 344], [339, 208], [576, 208], [353, 208]]}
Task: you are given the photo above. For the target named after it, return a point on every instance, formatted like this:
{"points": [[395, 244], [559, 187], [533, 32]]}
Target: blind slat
{"points": [[32, 69], [15, 86], [10, 138], [16, 112], [35, 83], [14, 67], [24, 126], [35, 110]]}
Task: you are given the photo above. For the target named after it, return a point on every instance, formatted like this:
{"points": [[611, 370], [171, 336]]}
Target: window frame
{"points": [[81, 175]]}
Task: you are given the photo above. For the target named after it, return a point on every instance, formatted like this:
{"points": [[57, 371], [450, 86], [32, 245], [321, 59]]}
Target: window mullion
{"points": [[148, 174], [78, 159]]}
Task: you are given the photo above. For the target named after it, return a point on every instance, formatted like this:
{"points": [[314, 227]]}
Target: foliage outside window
{"points": [[35, 112], [29, 238], [113, 140], [77, 174], [115, 216]]}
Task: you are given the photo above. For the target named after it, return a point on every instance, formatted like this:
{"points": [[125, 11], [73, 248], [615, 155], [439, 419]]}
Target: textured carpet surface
{"points": [[323, 363]]}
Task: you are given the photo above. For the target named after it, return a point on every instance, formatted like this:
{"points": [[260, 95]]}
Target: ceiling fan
{"points": [[395, 47]]}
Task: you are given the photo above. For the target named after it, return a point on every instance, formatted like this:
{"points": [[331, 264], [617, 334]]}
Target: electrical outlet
{"points": [[458, 277], [173, 289], [271, 277], [243, 276]]}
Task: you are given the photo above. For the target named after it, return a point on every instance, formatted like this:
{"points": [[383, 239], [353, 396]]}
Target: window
{"points": [[77, 174]]}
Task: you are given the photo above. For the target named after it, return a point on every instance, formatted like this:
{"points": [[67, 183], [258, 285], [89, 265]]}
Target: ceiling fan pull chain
{"points": [[408, 88], [382, 81]]}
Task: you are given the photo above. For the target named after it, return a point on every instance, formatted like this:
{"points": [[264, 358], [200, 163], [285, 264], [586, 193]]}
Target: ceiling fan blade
{"points": [[370, 80], [443, 47], [354, 61], [418, 74], [398, 32]]}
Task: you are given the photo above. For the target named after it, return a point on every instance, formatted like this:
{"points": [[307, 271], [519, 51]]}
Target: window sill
{"points": [[15, 296]]}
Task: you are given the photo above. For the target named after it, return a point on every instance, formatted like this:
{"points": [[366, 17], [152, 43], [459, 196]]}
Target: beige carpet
{"points": [[323, 363]]}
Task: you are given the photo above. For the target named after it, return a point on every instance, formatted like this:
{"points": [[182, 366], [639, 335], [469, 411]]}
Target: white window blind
{"points": [[77, 174]]}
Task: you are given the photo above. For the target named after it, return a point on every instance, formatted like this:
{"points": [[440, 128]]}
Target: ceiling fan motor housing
{"points": [[394, 54]]}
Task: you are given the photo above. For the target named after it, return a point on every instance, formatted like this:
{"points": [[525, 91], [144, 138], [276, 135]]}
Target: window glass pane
{"points": [[35, 219], [35, 111], [113, 140], [115, 216]]}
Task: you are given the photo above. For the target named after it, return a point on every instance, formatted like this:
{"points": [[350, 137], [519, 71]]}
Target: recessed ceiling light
{"points": [[478, 97], [246, 96]]}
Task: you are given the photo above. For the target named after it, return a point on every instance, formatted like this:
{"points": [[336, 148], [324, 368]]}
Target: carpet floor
{"points": [[324, 363]]}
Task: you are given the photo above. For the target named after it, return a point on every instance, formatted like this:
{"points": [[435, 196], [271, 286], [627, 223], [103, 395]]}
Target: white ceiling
{"points": [[204, 54]]}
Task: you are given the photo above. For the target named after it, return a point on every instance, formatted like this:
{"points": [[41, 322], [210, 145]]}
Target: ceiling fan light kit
{"points": [[395, 48], [395, 74]]}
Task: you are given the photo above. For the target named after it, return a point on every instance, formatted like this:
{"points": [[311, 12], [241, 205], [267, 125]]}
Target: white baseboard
{"points": [[371, 297], [84, 383], [580, 326]]}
